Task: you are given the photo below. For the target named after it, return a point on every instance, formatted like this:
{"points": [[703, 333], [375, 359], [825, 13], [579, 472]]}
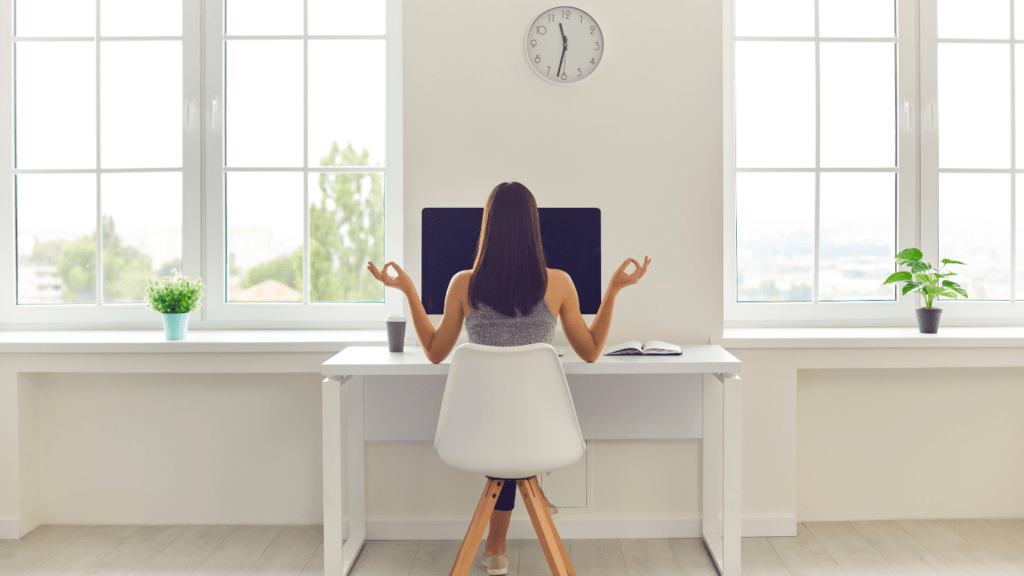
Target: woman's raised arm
{"points": [[437, 344], [589, 342]]}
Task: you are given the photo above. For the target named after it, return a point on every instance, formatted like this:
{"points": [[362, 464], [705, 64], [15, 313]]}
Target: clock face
{"points": [[564, 45]]}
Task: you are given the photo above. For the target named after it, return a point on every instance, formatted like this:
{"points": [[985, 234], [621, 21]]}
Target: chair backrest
{"points": [[507, 412]]}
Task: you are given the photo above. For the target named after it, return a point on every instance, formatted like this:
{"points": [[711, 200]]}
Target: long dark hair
{"points": [[509, 273]]}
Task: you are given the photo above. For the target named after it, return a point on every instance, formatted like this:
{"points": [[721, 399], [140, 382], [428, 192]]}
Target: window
{"points": [[264, 157], [836, 159], [969, 153]]}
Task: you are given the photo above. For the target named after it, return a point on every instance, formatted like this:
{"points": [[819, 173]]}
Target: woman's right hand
{"points": [[620, 279], [402, 281]]}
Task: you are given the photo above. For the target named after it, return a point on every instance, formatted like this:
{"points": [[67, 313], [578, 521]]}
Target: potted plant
{"points": [[929, 282], [174, 297]]}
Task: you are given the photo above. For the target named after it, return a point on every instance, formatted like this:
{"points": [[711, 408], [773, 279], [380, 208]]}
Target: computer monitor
{"points": [[571, 238]]}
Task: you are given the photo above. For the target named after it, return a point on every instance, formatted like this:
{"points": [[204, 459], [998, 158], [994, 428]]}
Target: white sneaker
{"points": [[496, 564], [553, 511]]}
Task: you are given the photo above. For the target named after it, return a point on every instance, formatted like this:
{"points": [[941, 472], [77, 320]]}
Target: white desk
{"points": [[355, 366]]}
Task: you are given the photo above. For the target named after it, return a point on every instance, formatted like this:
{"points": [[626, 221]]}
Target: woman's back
{"points": [[487, 326]]}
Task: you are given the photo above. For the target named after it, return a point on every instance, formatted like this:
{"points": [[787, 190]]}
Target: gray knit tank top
{"points": [[487, 326]]}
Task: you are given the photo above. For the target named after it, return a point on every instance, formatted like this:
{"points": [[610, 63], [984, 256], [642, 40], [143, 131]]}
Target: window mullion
{"points": [[929, 136], [908, 207], [213, 192], [192, 150]]}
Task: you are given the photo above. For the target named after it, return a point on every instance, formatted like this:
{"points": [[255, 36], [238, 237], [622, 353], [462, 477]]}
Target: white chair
{"points": [[507, 413]]}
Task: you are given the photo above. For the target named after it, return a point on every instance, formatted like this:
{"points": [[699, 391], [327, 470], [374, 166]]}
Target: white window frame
{"points": [[100, 314], [202, 207], [220, 314], [814, 313], [961, 313]]}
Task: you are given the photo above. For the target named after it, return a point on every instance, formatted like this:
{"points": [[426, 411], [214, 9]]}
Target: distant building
{"points": [[39, 284], [252, 246], [266, 291]]}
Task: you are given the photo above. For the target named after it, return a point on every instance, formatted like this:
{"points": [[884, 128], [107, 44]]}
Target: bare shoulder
{"points": [[459, 289], [559, 286], [559, 278], [461, 280]]}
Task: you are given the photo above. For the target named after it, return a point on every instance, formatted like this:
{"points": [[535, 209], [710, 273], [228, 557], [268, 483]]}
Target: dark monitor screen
{"points": [[571, 238]]}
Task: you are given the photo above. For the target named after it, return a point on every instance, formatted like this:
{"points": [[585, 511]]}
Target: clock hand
{"points": [[565, 45]]}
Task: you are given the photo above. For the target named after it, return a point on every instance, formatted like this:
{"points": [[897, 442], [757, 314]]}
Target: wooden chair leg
{"points": [[550, 542], [464, 560], [541, 505]]}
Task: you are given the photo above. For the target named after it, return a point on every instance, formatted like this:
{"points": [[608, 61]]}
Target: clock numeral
{"points": [[581, 18], [549, 70], [542, 30], [592, 28], [564, 77], [551, 17], [591, 61], [565, 14], [537, 58], [598, 44], [533, 42], [579, 72]]}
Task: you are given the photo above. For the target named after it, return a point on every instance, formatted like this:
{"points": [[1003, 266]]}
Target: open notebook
{"points": [[635, 348]]}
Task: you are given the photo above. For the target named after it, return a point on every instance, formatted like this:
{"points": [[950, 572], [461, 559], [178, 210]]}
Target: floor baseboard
{"points": [[9, 528]]}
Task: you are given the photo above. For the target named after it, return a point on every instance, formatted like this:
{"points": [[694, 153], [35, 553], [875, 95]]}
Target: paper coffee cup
{"points": [[396, 332]]}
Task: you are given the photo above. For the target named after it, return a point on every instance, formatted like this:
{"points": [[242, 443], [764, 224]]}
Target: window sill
{"points": [[196, 341], [903, 337]]}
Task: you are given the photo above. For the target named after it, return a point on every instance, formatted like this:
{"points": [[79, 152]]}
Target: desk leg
{"points": [[356, 474], [722, 459], [732, 454], [339, 558], [711, 513]]}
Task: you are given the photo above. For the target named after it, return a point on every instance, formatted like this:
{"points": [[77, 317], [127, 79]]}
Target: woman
{"points": [[510, 298]]}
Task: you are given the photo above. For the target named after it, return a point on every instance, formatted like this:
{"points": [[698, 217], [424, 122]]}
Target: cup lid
{"points": [[394, 318]]}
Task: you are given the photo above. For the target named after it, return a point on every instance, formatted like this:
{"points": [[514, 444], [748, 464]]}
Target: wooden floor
{"points": [[878, 548]]}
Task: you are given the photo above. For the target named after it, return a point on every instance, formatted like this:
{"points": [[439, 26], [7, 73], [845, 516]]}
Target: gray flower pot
{"points": [[928, 320]]}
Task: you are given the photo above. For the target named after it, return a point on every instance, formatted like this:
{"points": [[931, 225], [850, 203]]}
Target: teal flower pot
{"points": [[175, 325]]}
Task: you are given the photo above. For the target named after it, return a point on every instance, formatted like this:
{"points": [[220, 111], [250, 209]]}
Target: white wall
{"points": [[641, 139], [924, 443], [882, 433], [179, 448]]}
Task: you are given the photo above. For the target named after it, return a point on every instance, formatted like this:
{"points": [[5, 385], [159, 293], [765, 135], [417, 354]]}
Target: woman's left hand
{"points": [[403, 282]]}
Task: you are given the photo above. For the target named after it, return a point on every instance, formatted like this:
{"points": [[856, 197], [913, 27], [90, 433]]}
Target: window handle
{"points": [[190, 105], [906, 110], [213, 113], [933, 114]]}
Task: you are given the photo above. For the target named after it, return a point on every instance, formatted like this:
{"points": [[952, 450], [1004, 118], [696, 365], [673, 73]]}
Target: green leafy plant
{"points": [[922, 278], [174, 294]]}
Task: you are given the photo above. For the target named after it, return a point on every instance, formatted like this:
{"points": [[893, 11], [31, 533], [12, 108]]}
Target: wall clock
{"points": [[564, 45]]}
